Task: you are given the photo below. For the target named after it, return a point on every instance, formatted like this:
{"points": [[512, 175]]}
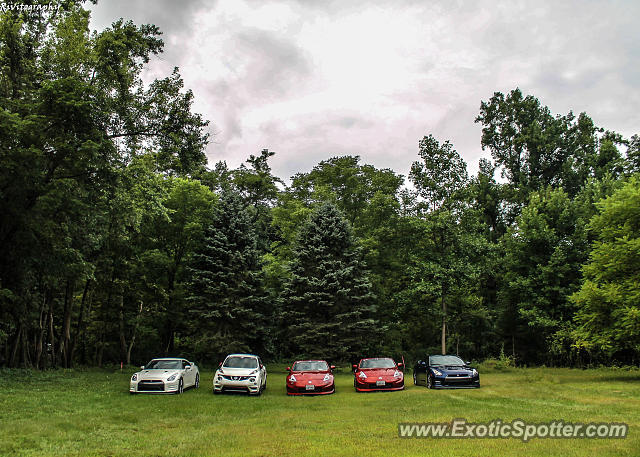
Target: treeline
{"points": [[118, 244]]}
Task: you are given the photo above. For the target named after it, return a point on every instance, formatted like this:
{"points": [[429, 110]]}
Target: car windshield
{"points": [[377, 363], [164, 365], [437, 360], [241, 362], [311, 365]]}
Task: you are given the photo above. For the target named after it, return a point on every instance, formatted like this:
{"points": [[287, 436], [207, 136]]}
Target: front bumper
{"points": [[220, 384], [300, 388], [154, 386], [449, 382], [372, 386]]}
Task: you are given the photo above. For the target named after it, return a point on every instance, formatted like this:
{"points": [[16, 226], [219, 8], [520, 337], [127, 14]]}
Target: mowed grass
{"points": [[90, 413]]}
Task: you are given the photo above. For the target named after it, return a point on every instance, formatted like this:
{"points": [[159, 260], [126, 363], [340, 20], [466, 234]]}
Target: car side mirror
{"points": [[467, 363], [187, 367], [401, 365], [354, 367], [288, 368], [142, 367], [333, 367]]}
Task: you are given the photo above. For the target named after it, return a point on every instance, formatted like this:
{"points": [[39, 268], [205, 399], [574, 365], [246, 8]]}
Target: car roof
{"points": [[376, 358], [242, 355], [310, 360], [169, 358]]}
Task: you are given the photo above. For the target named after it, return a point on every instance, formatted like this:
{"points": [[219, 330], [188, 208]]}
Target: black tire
{"points": [[131, 393], [180, 387], [430, 381], [197, 384], [215, 392]]}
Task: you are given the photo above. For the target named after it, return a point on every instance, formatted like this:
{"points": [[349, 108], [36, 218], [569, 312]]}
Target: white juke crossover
{"points": [[165, 376], [240, 373]]}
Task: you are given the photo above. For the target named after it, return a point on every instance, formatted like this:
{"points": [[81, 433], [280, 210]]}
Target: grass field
{"points": [[90, 413]]}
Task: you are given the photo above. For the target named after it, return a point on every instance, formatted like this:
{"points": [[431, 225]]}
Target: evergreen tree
{"points": [[327, 299], [226, 300]]}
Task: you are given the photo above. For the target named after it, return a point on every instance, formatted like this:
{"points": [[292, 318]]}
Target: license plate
{"points": [[310, 387], [379, 383]]}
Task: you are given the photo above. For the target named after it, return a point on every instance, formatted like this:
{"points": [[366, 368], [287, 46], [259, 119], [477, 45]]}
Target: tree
{"points": [[328, 296], [226, 301], [608, 314], [536, 149], [440, 176], [446, 238], [171, 238]]}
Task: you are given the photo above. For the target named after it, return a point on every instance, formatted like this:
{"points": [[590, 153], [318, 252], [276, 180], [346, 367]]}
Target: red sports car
{"points": [[310, 377], [378, 374]]}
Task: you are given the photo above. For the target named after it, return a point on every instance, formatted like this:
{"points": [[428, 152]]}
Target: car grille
{"points": [[235, 389], [151, 386], [236, 378]]}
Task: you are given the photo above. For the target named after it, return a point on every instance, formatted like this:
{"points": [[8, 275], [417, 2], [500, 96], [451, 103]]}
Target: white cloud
{"points": [[310, 80]]}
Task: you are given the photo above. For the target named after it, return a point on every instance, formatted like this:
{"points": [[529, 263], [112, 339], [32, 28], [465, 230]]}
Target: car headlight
{"points": [[326, 377], [397, 374], [134, 377], [292, 378], [474, 372], [362, 375], [220, 371], [253, 372], [172, 377], [437, 372]]}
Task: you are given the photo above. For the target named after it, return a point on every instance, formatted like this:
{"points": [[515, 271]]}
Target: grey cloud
{"points": [[275, 65]]}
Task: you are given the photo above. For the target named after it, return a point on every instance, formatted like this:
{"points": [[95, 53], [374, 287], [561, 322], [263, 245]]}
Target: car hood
{"points": [[310, 375], [377, 372], [157, 374], [239, 371], [454, 369]]}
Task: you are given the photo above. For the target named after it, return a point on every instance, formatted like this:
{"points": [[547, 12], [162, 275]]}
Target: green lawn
{"points": [[87, 413]]}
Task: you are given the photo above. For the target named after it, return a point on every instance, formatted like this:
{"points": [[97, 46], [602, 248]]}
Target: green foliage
{"points": [[441, 174], [327, 301], [608, 314], [227, 304]]}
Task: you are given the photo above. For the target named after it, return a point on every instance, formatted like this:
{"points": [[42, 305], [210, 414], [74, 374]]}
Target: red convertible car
{"points": [[310, 377], [378, 374]]}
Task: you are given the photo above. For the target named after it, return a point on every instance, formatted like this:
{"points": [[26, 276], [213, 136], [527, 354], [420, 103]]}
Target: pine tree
{"points": [[227, 301], [327, 299]]}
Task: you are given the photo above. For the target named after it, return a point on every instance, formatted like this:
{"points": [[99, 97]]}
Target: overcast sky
{"points": [[312, 79]]}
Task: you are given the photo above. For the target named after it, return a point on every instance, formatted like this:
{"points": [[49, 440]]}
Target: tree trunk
{"points": [[123, 339], [16, 346], [65, 338], [444, 325], [52, 337], [26, 358], [133, 334], [41, 330], [171, 314], [79, 324]]}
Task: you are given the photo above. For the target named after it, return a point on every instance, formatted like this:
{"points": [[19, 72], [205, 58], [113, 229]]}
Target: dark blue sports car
{"points": [[445, 372]]}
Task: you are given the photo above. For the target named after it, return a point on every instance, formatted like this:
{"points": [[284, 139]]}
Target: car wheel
{"points": [[197, 384], [415, 379], [430, 381], [216, 392], [180, 387]]}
